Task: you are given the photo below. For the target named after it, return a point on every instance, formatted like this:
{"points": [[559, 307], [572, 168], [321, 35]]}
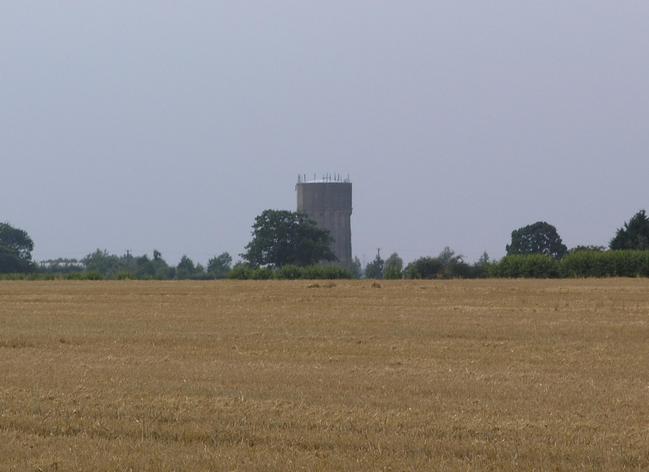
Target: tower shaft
{"points": [[329, 204]]}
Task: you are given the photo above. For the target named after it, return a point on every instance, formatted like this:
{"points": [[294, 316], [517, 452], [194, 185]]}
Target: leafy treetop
{"points": [[634, 234], [282, 237], [15, 249], [537, 238]]}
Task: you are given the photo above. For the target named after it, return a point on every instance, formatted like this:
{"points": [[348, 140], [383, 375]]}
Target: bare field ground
{"points": [[458, 375]]}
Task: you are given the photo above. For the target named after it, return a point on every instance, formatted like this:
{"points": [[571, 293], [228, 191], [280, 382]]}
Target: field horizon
{"points": [[497, 375]]}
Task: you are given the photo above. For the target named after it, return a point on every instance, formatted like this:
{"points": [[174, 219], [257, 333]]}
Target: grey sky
{"points": [[170, 125]]}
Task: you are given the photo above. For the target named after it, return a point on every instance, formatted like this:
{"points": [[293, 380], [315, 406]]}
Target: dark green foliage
{"points": [[111, 266], [15, 250], [156, 268], [374, 269], [447, 265], [219, 266], [289, 272], [526, 266], [84, 276], [393, 267], [424, 268], [60, 266], [586, 249], [241, 271], [326, 272], [453, 265], [537, 238], [187, 270], [633, 235], [627, 263], [584, 263], [103, 263], [263, 273], [356, 268], [282, 237], [482, 268]]}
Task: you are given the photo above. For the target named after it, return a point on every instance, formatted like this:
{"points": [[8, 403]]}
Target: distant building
{"points": [[328, 201]]}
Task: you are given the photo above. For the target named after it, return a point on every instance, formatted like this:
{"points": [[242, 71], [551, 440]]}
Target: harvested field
{"points": [[458, 375]]}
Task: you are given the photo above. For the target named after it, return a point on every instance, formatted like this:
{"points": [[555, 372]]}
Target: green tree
{"points": [[356, 268], [634, 234], [15, 249], [393, 267], [537, 238], [482, 267], [161, 269], [186, 269], [219, 266], [282, 237], [374, 269], [102, 263], [424, 268]]}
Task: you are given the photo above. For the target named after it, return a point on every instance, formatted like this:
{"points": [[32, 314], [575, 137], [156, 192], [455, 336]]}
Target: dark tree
{"points": [[634, 234], [103, 263], [219, 266], [356, 268], [537, 238], [393, 267], [374, 270], [15, 249], [282, 237], [586, 248], [424, 268], [186, 269]]}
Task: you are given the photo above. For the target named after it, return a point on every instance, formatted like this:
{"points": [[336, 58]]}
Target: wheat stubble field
{"points": [[458, 375]]}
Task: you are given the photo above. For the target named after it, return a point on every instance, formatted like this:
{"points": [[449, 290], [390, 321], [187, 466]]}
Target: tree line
{"points": [[289, 245]]}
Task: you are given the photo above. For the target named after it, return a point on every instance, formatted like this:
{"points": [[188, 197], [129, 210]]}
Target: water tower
{"points": [[328, 201]]}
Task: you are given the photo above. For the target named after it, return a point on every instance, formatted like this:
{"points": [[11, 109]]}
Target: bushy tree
{"points": [[160, 268], [374, 269], [453, 265], [282, 237], [127, 266], [393, 267], [634, 234], [483, 266], [219, 266], [537, 238], [186, 269], [102, 263], [15, 249], [424, 268], [447, 265], [145, 268]]}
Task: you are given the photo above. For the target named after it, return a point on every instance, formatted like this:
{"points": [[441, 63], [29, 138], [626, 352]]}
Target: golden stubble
{"points": [[416, 375]]}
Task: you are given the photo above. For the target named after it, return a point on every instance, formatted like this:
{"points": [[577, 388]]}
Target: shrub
{"points": [[529, 266], [627, 263], [328, 272], [424, 268], [289, 272], [241, 272], [262, 273], [84, 276]]}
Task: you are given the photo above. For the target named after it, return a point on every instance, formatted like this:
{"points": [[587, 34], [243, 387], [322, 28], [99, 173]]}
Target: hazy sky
{"points": [[171, 125]]}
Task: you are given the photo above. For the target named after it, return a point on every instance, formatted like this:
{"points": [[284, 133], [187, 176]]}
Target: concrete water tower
{"points": [[328, 201]]}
